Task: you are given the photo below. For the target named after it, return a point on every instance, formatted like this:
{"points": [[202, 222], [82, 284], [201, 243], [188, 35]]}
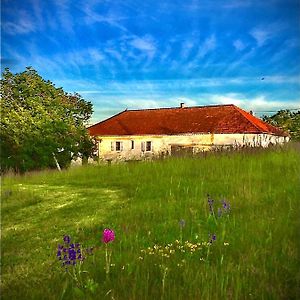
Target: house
{"points": [[134, 134]]}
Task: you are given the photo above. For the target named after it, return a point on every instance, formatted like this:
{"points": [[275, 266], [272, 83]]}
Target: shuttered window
{"points": [[117, 146]]}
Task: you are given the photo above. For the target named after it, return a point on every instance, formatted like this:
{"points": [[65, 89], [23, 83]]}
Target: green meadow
{"points": [[163, 226]]}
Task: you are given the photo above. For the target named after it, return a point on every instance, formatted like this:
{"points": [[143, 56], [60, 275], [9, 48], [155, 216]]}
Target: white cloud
{"points": [[208, 45], [111, 18], [96, 55], [187, 47], [140, 103], [239, 45], [162, 88], [65, 17], [263, 33], [23, 24], [261, 36], [258, 104], [144, 44]]}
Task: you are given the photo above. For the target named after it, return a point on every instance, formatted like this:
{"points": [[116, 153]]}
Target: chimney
{"points": [[251, 112], [182, 105]]}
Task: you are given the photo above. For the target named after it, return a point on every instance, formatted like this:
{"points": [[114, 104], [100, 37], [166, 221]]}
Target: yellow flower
{"points": [[226, 244]]}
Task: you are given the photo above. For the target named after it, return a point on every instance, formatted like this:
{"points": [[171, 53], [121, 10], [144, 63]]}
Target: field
{"points": [[164, 245]]}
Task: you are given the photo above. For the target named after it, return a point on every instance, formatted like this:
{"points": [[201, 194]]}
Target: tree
{"points": [[286, 120], [40, 123]]}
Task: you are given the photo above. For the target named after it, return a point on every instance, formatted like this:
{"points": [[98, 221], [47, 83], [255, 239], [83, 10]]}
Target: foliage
{"points": [[40, 122], [254, 251], [288, 121]]}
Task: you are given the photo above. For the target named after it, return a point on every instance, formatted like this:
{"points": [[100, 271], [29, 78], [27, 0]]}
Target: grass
{"points": [[144, 202]]}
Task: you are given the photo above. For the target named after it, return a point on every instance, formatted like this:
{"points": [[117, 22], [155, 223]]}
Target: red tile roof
{"points": [[172, 121]]}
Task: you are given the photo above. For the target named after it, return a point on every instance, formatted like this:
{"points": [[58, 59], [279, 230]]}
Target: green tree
{"points": [[288, 121], [41, 124]]}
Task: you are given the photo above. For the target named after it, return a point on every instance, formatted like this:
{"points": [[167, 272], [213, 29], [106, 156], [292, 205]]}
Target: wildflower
{"points": [[225, 205], [68, 254], [210, 203], [108, 236], [67, 239], [212, 238], [226, 244]]}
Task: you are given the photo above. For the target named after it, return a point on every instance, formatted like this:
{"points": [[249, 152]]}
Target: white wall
{"points": [[162, 144]]}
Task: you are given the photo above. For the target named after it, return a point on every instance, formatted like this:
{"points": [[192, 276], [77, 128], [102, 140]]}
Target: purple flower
{"points": [[210, 203], [225, 205], [108, 236], [67, 239], [212, 238], [69, 254]]}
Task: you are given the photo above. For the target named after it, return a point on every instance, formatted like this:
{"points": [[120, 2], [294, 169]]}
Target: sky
{"points": [[138, 54]]}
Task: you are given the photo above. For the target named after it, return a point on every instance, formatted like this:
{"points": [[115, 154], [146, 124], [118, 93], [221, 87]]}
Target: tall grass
{"points": [[144, 202]]}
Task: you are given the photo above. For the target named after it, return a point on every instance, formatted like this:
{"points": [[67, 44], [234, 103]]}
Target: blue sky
{"points": [[144, 54]]}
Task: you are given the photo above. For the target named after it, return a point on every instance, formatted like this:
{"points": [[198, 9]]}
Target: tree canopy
{"points": [[286, 120], [41, 123]]}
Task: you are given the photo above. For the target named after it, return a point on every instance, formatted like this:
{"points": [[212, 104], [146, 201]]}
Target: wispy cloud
{"points": [[23, 24], [187, 47], [140, 87], [111, 17], [145, 44], [263, 33], [239, 45], [258, 104], [208, 45], [204, 49], [64, 15]]}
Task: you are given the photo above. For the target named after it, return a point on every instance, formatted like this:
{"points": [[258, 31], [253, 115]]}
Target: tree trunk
{"points": [[56, 162]]}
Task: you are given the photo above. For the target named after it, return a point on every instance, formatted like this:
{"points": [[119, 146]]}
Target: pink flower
{"points": [[108, 236]]}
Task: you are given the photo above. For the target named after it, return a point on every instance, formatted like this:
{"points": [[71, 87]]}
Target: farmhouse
{"points": [[136, 134]]}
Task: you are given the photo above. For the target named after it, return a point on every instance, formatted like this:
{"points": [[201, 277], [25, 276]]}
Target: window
{"points": [[148, 146], [117, 146], [132, 145]]}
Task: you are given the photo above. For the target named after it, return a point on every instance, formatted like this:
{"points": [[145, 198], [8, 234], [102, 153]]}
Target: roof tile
{"points": [[171, 121]]}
